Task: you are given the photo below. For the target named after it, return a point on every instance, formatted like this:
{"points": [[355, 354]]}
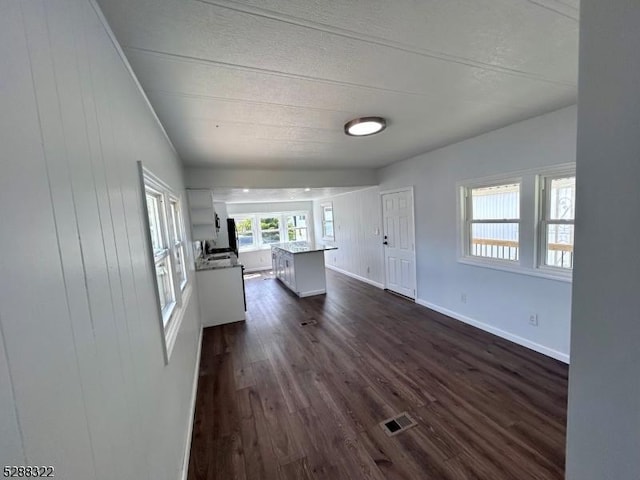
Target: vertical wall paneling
{"points": [[89, 392], [358, 234]]}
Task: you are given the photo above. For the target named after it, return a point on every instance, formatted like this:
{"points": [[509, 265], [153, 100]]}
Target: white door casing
{"points": [[399, 241]]}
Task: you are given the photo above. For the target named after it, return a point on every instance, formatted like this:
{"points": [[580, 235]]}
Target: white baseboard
{"points": [[353, 275], [563, 357], [257, 269], [192, 411], [311, 293]]}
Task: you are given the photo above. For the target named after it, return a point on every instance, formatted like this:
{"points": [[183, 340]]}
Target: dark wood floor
{"points": [[278, 400]]}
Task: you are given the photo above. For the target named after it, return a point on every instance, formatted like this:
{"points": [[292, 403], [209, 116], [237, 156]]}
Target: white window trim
{"points": [[323, 222], [169, 326], [529, 177], [542, 192], [257, 231], [465, 231]]}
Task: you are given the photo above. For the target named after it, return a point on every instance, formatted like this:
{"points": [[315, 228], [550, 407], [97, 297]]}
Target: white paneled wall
{"points": [[84, 384], [358, 234]]}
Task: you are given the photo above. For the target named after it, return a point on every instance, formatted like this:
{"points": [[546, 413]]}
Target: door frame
{"points": [[411, 189]]}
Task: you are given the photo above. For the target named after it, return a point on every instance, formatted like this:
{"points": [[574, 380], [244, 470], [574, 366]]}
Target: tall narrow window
{"points": [[246, 238], [168, 256], [493, 221], [558, 195], [327, 221], [270, 230], [161, 252], [297, 230], [178, 242]]}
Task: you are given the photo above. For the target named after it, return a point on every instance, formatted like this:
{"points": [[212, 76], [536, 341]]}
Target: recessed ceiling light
{"points": [[245, 190], [307, 189], [361, 127]]}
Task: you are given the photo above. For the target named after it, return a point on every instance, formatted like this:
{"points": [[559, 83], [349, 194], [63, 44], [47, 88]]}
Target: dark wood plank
{"points": [[278, 400]]}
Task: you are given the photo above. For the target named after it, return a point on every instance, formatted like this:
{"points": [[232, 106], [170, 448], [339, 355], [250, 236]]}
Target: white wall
{"points": [[604, 382], [500, 301], [357, 218], [83, 382], [200, 177], [261, 259]]}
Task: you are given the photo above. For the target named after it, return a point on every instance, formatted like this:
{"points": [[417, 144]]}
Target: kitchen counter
{"points": [[218, 260], [300, 267], [220, 289], [302, 247]]}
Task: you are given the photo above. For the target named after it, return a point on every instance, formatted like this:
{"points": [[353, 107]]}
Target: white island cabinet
{"points": [[300, 267]]}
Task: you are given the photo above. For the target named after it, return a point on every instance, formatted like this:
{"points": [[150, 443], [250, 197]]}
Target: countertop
{"points": [[302, 247], [218, 260]]}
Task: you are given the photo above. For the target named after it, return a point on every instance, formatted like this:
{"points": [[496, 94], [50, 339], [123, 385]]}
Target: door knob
{"points": [[385, 243]]}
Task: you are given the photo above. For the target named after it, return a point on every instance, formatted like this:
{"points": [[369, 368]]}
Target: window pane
{"points": [[180, 265], [270, 229], [498, 202], [495, 240], [244, 226], [297, 228], [153, 206], [328, 214], [165, 288], [328, 229], [562, 198], [560, 246], [270, 237], [175, 223], [269, 223]]}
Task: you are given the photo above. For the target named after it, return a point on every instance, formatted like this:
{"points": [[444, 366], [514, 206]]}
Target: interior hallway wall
{"points": [[84, 385]]}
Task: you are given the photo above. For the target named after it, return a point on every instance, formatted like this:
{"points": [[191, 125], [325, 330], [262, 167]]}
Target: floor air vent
{"points": [[398, 424], [308, 322]]}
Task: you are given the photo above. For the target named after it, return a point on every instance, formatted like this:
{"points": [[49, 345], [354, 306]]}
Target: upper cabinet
{"points": [[205, 222]]}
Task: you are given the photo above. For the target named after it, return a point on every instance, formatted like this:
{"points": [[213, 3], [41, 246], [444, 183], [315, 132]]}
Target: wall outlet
{"points": [[533, 320], [368, 270], [463, 297]]}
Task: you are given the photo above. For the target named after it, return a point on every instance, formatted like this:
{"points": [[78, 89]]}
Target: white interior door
{"points": [[399, 242]]}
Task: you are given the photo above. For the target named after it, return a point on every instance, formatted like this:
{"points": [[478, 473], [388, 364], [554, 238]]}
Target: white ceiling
{"points": [[270, 83], [267, 195]]}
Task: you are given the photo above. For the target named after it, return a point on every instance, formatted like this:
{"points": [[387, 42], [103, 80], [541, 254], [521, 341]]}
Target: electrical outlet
{"points": [[533, 320], [463, 297], [368, 270]]}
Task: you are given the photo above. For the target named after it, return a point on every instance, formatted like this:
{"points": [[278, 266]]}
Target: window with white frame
{"points": [[557, 214], [297, 229], [168, 248], [270, 229], [492, 221], [261, 230], [245, 226], [328, 232], [178, 241]]}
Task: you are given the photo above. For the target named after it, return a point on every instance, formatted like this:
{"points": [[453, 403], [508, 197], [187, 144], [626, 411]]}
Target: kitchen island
{"points": [[220, 289], [300, 267]]}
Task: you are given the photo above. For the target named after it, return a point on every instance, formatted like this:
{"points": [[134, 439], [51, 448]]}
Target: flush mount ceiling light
{"points": [[361, 127]]}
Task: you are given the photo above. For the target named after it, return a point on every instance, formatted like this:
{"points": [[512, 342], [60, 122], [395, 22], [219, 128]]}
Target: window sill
{"points": [[173, 327], [255, 249], [518, 269]]}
